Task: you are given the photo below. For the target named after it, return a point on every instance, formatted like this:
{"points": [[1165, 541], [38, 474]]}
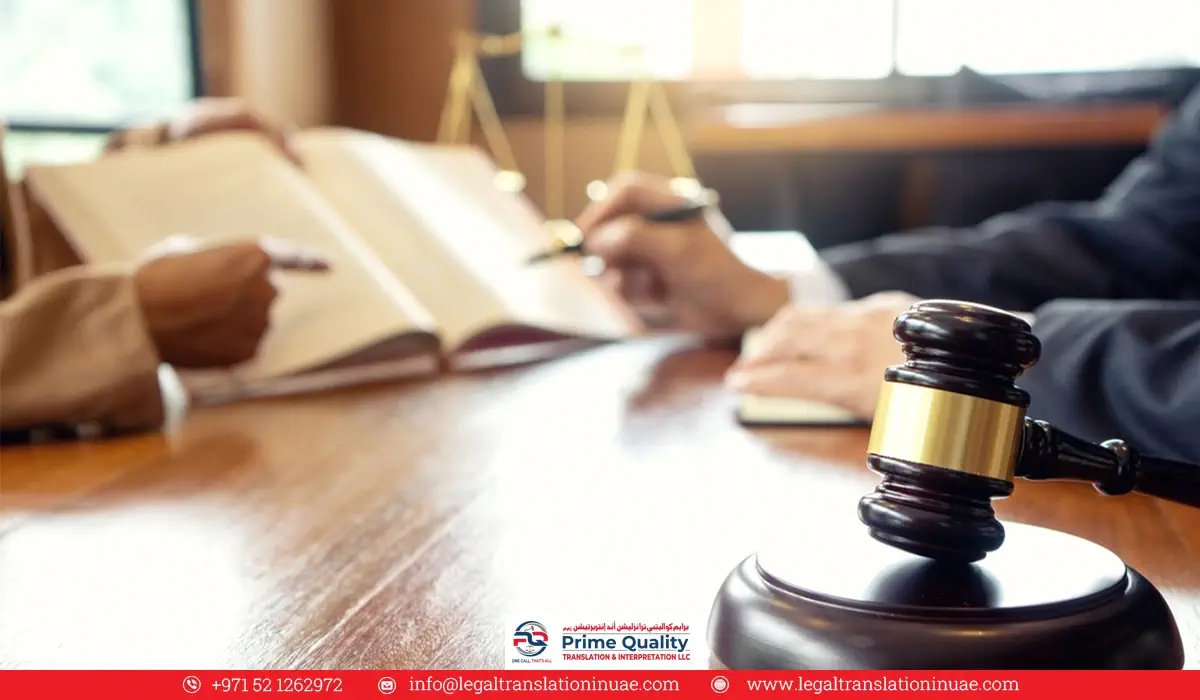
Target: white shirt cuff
{"points": [[817, 284], [174, 396]]}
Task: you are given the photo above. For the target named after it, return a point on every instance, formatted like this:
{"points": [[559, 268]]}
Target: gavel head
{"points": [[948, 428]]}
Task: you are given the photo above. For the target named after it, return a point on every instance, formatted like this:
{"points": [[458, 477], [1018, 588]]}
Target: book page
{"points": [[434, 216], [226, 187]]}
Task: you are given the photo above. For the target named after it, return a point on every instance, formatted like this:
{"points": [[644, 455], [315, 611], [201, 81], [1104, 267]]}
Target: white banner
{"points": [[534, 643]]}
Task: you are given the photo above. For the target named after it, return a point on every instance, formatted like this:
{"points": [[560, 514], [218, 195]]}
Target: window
{"points": [[72, 70], [713, 40], [937, 37], [900, 52]]}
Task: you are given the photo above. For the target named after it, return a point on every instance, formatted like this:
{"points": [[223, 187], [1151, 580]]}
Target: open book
{"points": [[429, 256]]}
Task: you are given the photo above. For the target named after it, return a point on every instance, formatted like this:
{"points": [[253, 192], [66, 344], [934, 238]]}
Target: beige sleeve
{"points": [[74, 349]]}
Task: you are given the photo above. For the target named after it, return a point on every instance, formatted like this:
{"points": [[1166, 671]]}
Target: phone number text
{"points": [[277, 685]]}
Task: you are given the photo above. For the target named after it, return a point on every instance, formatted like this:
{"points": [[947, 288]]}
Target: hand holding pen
{"points": [[667, 255], [685, 210]]}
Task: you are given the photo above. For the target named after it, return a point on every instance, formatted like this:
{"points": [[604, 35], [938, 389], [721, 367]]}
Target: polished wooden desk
{"points": [[844, 128], [397, 527]]}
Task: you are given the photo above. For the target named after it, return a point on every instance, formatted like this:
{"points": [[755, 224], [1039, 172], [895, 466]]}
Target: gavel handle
{"points": [[1112, 466]]}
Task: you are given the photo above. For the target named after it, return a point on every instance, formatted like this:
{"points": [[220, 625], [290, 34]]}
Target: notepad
{"points": [[779, 411]]}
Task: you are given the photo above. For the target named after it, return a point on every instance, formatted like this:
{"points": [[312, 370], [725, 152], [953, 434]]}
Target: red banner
{"points": [[349, 685]]}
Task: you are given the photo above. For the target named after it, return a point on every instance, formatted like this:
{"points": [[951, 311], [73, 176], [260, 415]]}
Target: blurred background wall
{"points": [[383, 65]]}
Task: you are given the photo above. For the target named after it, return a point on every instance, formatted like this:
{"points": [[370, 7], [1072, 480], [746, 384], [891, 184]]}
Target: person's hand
{"points": [[209, 116], [829, 354], [685, 270], [210, 306]]}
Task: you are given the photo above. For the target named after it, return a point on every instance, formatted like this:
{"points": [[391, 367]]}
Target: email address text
{"points": [[455, 685]]}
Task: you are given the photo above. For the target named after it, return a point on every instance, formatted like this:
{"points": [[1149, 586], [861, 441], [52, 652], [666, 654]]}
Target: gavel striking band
{"points": [[951, 433]]}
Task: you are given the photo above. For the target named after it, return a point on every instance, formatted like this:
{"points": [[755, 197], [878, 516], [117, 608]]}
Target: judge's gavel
{"points": [[950, 434]]}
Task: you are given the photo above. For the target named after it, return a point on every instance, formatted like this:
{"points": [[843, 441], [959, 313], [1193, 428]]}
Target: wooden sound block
{"points": [[1044, 600]]}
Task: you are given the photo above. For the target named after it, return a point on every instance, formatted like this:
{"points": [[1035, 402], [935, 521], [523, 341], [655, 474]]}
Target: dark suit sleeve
{"points": [[1140, 240], [1128, 370]]}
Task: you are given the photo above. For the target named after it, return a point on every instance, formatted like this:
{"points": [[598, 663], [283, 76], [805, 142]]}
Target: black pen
{"points": [[687, 211]]}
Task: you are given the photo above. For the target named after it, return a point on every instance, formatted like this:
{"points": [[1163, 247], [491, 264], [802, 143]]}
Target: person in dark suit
{"points": [[1112, 288]]}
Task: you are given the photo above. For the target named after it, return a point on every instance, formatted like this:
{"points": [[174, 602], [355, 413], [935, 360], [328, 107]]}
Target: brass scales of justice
{"points": [[468, 93]]}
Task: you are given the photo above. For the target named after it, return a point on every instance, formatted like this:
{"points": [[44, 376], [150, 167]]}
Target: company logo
{"points": [[531, 639]]}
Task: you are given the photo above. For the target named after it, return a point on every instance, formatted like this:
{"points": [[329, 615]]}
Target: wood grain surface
{"points": [[400, 526], [805, 128]]}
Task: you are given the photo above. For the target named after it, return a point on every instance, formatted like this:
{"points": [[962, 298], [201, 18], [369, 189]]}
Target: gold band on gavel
{"points": [[948, 430]]}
